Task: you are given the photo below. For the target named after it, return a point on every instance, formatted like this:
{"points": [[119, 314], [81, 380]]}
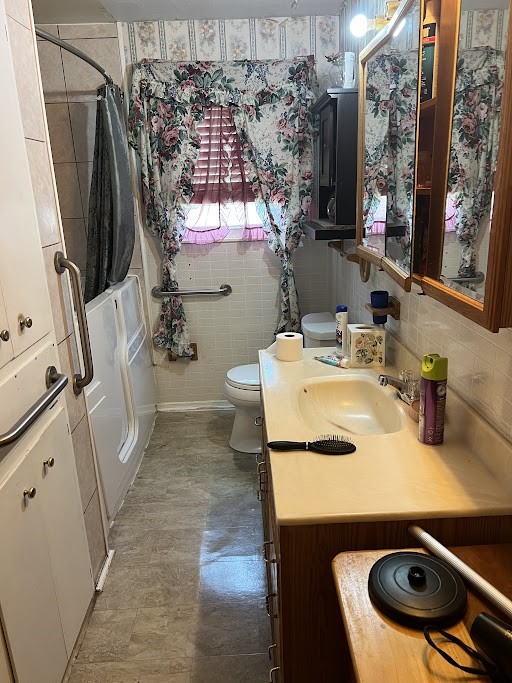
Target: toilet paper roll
{"points": [[289, 346]]}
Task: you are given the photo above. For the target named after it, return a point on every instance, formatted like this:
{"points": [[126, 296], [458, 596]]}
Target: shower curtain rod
{"points": [[76, 52]]}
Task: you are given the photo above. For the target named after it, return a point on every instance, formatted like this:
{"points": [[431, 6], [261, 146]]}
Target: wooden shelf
{"points": [[320, 229], [428, 104], [393, 309], [423, 190]]}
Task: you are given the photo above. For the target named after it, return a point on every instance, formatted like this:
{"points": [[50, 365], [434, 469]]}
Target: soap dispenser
{"points": [[434, 373]]}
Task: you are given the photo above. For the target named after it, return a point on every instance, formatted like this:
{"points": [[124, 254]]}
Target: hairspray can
{"points": [[434, 372]]}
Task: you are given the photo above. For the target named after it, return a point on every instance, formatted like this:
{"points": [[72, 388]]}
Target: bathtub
{"points": [[121, 398]]}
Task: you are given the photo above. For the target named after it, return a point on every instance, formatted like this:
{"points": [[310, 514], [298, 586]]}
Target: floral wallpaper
{"points": [[224, 40]]}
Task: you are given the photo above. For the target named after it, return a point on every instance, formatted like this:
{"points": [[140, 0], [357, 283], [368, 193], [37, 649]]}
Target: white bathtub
{"points": [[121, 398]]}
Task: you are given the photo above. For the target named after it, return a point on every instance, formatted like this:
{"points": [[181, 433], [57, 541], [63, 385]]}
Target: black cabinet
{"points": [[336, 165]]}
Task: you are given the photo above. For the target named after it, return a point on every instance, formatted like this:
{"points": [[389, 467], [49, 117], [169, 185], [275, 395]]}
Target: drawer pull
{"points": [[55, 382], [265, 559], [25, 322], [270, 648], [30, 493], [4, 335], [50, 462], [267, 603], [271, 673], [258, 421]]}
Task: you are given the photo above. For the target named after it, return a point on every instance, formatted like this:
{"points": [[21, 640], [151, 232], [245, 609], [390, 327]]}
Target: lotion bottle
{"points": [[434, 372], [341, 329]]}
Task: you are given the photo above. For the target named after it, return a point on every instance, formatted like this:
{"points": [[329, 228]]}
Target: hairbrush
{"points": [[328, 444]]}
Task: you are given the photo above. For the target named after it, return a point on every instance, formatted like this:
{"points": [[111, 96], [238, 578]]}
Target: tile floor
{"points": [[184, 598]]}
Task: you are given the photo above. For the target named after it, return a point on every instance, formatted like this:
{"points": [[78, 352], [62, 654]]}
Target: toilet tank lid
{"points": [[319, 326], [247, 375]]}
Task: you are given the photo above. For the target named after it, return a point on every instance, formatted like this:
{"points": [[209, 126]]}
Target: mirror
{"points": [[389, 78], [475, 131]]}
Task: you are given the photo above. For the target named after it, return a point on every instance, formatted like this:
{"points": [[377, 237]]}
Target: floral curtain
{"points": [[474, 148], [270, 105], [390, 140]]}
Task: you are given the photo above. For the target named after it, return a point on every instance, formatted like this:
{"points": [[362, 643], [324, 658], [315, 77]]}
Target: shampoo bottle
{"points": [[341, 329], [434, 372]]}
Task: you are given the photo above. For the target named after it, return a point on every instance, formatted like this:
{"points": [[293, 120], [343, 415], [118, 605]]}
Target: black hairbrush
{"points": [[328, 444]]}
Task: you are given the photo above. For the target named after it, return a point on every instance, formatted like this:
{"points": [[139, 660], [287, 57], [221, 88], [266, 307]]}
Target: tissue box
{"points": [[366, 345]]}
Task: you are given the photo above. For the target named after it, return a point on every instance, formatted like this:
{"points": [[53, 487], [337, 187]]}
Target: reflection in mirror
{"points": [[390, 120], [474, 144]]}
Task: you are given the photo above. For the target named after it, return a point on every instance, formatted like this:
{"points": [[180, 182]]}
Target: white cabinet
{"points": [[6, 350], [22, 273], [45, 575]]}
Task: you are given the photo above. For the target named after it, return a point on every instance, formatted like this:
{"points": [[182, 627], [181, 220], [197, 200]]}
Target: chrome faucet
{"points": [[407, 387]]}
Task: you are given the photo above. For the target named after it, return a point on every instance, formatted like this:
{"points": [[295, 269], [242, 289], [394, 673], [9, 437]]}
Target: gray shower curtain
{"points": [[111, 223]]}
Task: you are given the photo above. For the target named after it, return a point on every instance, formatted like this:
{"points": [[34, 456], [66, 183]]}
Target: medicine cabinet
{"points": [[334, 206], [435, 189]]}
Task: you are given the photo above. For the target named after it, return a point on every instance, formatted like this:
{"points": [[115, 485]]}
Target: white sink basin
{"points": [[349, 405]]}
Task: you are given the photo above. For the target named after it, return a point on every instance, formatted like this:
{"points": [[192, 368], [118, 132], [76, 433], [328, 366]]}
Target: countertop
{"points": [[390, 476], [382, 650]]}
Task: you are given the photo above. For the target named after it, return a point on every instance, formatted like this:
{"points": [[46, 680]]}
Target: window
{"points": [[223, 204]]}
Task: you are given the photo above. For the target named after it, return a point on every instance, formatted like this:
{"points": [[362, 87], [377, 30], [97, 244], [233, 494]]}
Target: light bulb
{"points": [[399, 28], [359, 25]]}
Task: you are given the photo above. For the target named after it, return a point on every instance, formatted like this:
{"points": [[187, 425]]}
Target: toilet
{"points": [[318, 329], [242, 389]]}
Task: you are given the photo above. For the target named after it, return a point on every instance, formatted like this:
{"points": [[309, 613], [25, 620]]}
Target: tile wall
{"points": [[479, 362], [22, 39], [69, 86], [230, 330]]}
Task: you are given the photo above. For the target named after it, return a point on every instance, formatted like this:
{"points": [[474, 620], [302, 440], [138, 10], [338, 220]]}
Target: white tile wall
{"points": [[230, 330], [479, 362]]}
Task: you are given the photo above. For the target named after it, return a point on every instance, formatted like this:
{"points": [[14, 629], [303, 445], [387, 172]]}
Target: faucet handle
{"points": [[412, 390]]}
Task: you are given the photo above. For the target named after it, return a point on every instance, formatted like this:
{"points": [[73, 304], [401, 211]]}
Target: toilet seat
{"points": [[244, 377]]}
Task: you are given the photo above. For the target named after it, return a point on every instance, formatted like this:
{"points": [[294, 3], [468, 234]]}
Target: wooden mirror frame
{"points": [[381, 261], [496, 310]]}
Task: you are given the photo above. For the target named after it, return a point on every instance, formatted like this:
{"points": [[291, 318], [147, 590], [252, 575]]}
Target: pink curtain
{"points": [[222, 198]]}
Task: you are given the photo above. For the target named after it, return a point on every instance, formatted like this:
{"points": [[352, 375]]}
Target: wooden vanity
{"points": [[315, 507], [384, 651]]}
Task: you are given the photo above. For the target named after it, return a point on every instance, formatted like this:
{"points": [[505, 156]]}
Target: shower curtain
{"points": [[111, 223]]}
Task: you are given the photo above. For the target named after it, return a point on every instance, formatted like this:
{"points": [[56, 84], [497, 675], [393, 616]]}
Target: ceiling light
{"points": [[359, 25]]}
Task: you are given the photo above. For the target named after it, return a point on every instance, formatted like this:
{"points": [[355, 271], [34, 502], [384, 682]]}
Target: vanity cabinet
{"points": [[45, 575], [309, 642]]}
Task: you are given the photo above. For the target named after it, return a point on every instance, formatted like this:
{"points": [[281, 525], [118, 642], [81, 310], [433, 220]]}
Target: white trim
{"points": [[103, 576], [193, 405]]}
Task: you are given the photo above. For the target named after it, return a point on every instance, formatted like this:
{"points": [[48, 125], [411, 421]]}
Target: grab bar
{"points": [[476, 279], [61, 264], [55, 383], [225, 290]]}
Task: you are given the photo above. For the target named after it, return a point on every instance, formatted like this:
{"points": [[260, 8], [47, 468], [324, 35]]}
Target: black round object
{"points": [[415, 589]]}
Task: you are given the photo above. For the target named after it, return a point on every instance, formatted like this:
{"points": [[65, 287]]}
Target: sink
{"points": [[350, 405]]}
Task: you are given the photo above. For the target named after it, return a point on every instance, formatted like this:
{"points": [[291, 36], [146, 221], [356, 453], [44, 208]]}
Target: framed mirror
{"points": [[389, 105], [465, 242]]}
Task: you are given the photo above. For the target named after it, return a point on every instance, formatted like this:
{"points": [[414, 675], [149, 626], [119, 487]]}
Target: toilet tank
{"points": [[319, 329]]}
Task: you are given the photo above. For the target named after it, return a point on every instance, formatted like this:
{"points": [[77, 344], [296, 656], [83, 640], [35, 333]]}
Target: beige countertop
{"points": [[390, 476]]}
